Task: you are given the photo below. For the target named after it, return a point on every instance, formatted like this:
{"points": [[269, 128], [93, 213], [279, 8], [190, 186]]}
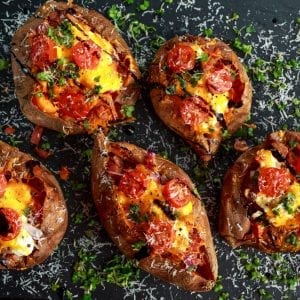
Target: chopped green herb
{"points": [[137, 29], [234, 16], [144, 5], [293, 144], [97, 79], [171, 89], [292, 239], [195, 78], [45, 146], [203, 57], [138, 245], [86, 124], [181, 81], [87, 154], [250, 29], [208, 32], [26, 211], [62, 81], [127, 110], [129, 1], [77, 186], [157, 42], [169, 1], [245, 48], [62, 34], [164, 154], [44, 76], [3, 64], [288, 201], [135, 214], [97, 89]]}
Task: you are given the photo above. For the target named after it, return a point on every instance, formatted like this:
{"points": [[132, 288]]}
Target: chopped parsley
{"points": [[195, 77], [144, 5], [245, 48], [288, 202], [208, 32], [171, 89], [97, 89], [62, 35], [203, 57], [135, 214], [138, 245], [292, 239], [3, 64], [127, 110], [157, 42]]}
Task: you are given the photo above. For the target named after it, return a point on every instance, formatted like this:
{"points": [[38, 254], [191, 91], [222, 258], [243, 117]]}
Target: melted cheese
{"points": [[209, 126], [23, 244], [185, 210], [106, 73], [182, 236], [266, 159], [16, 196], [108, 77]]}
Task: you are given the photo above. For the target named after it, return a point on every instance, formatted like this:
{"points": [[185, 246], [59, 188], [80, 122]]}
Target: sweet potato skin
{"points": [[21, 63], [234, 221], [55, 216], [103, 194], [158, 80]]}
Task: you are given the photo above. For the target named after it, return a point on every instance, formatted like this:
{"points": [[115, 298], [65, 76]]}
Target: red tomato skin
{"points": [[191, 113], [273, 182], [258, 230], [13, 221], [133, 183], [181, 58], [3, 184], [43, 51], [86, 54], [219, 81], [36, 135], [176, 193], [72, 104], [160, 236]]}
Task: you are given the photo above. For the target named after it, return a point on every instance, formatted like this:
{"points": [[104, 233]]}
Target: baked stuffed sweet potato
{"points": [[150, 210], [199, 88], [260, 202], [73, 71], [33, 214]]}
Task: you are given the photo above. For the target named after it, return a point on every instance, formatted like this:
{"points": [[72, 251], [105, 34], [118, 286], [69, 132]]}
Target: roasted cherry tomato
{"points": [[36, 135], [273, 182], [43, 51], [133, 183], [293, 158], [10, 224], [176, 193], [191, 113], [219, 81], [3, 184], [181, 58], [160, 235], [72, 104], [86, 54]]}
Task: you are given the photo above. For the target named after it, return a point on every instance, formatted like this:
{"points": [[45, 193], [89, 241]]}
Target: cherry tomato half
{"points": [[219, 81], [133, 183], [176, 193], [3, 184], [273, 182], [36, 135], [73, 105], [191, 113], [181, 58], [160, 235], [43, 51], [86, 54], [10, 224]]}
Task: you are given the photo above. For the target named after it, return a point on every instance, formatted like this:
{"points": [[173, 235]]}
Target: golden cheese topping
{"points": [[154, 192], [106, 71], [17, 196], [279, 210]]}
